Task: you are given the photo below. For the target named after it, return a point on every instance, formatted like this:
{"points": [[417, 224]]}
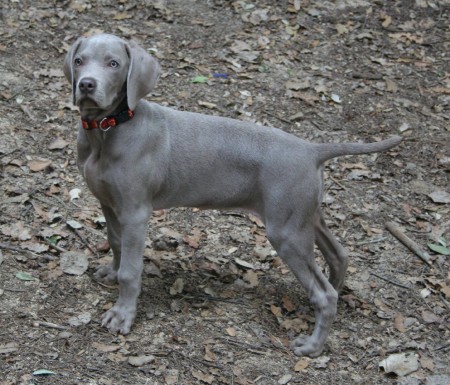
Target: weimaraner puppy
{"points": [[138, 156]]}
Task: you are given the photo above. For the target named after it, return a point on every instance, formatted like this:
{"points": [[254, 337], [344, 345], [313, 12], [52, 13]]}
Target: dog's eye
{"points": [[78, 61], [114, 64]]}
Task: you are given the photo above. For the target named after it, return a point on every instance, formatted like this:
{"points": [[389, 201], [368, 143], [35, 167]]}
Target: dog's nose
{"points": [[87, 85]]}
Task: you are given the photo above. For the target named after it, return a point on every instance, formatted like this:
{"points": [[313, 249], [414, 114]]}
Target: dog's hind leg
{"points": [[334, 253], [293, 239]]}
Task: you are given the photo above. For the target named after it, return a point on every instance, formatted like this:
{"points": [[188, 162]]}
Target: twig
{"points": [[83, 240], [442, 347], [253, 348], [338, 183], [17, 249], [211, 298], [408, 242], [390, 281], [49, 325], [447, 305], [376, 240], [278, 117], [57, 248], [203, 362]]}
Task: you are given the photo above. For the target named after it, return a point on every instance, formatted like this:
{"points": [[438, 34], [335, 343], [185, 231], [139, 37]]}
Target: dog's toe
{"points": [[306, 346], [106, 274], [118, 320]]}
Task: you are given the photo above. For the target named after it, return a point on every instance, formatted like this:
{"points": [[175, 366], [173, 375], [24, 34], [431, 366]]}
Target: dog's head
{"points": [[104, 70]]}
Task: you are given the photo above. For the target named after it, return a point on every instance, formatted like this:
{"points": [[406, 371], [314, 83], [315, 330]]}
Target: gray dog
{"points": [[137, 157]]}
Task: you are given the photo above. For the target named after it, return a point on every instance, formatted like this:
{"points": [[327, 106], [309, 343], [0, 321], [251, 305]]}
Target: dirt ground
{"points": [[218, 306]]}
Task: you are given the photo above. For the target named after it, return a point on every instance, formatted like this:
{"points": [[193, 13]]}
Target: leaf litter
{"points": [[353, 70]]}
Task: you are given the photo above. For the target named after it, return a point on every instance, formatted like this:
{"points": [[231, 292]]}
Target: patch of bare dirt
{"points": [[218, 306]]}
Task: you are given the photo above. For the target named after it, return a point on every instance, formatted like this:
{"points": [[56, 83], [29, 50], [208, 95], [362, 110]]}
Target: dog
{"points": [[138, 156]]}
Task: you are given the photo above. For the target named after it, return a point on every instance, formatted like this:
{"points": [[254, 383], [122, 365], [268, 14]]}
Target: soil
{"points": [[218, 306]]}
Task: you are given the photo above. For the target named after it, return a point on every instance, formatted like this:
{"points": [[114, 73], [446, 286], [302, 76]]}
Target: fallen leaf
{"points": [[141, 360], [231, 332], [297, 325], [73, 262], [440, 196], [74, 194], [58, 144], [105, 348], [387, 21], [9, 347], [43, 372], [439, 249], [207, 104], [391, 86], [243, 263], [276, 311], [301, 364], [199, 375], [80, 319], [209, 356], [252, 278], [35, 247], [16, 230], [74, 224], [287, 304], [117, 357], [177, 287], [341, 29], [399, 323], [401, 364], [430, 317], [37, 165], [199, 79], [285, 379], [24, 276], [426, 363]]}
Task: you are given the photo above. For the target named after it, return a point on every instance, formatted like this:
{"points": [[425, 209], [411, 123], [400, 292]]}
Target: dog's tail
{"points": [[326, 151]]}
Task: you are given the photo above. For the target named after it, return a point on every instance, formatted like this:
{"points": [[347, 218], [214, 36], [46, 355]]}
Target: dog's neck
{"points": [[111, 118]]}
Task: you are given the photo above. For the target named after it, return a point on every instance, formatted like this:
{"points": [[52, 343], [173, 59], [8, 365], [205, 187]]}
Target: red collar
{"points": [[109, 121]]}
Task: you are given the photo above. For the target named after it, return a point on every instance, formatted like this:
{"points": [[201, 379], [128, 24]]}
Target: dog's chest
{"points": [[98, 174]]}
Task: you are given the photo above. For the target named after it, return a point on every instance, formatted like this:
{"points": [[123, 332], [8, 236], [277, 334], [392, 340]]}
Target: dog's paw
{"points": [[119, 319], [306, 346], [106, 274]]}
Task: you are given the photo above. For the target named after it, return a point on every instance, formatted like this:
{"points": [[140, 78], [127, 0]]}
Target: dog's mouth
{"points": [[89, 108]]}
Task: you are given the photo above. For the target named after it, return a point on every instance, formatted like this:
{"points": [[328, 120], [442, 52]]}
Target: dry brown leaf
{"points": [[276, 311], [105, 348], [16, 230], [430, 317], [252, 278], [399, 323], [205, 377], [39, 164], [426, 363], [177, 287], [387, 21], [287, 304], [122, 16], [297, 325], [58, 144], [141, 360], [209, 356], [231, 332], [301, 364]]}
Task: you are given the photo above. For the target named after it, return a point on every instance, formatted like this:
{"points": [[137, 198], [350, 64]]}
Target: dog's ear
{"points": [[143, 73], [68, 65]]}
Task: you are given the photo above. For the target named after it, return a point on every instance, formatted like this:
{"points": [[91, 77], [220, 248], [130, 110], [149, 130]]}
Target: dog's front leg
{"points": [[108, 273], [133, 229]]}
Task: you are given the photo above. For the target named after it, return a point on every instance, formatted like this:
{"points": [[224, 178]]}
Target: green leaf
{"points": [[199, 79], [439, 249], [23, 276], [43, 372]]}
